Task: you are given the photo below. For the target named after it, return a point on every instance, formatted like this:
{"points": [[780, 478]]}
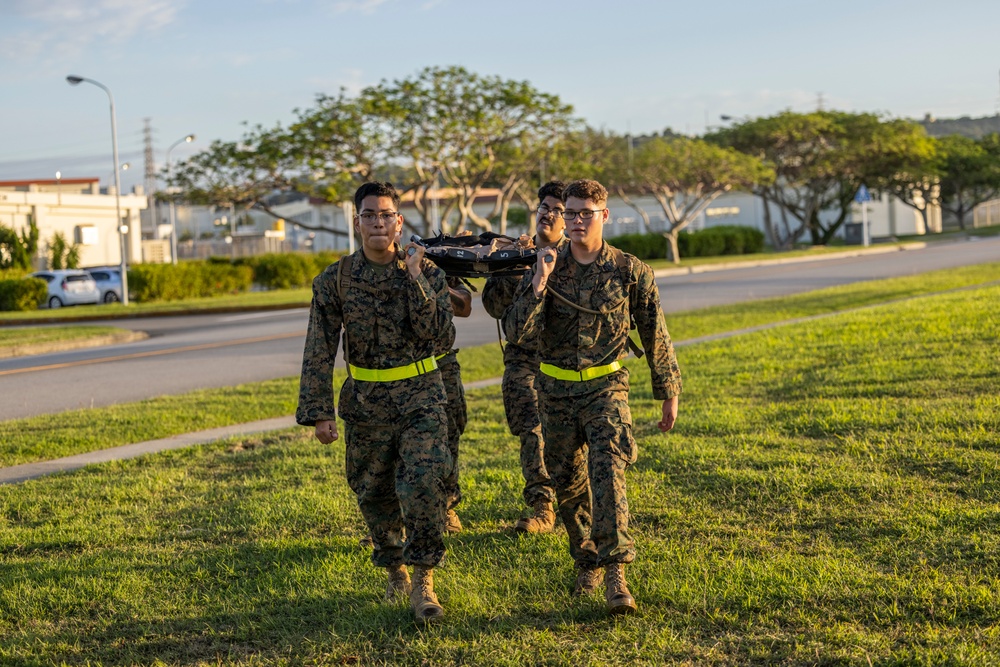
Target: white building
{"points": [[76, 208]]}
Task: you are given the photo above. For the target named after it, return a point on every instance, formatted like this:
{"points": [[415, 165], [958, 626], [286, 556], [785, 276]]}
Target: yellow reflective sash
{"points": [[392, 374], [580, 376]]}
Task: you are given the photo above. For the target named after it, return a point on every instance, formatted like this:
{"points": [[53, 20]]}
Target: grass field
{"points": [[20, 336], [42, 438], [829, 496]]}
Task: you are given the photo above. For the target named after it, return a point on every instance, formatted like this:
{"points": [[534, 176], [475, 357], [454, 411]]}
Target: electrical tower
{"points": [[149, 175]]}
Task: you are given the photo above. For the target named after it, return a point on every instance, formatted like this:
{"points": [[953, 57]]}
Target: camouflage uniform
{"points": [[396, 436], [451, 374], [520, 400], [587, 424]]}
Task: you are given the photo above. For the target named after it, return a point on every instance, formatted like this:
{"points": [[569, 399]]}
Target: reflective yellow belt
{"points": [[392, 374], [580, 376]]}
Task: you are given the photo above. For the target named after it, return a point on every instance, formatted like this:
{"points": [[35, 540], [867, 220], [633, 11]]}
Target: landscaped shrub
{"points": [[643, 246], [22, 293], [710, 242], [171, 282], [280, 271]]}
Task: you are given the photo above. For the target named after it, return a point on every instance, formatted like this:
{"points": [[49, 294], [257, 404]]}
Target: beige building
{"points": [[77, 208]]}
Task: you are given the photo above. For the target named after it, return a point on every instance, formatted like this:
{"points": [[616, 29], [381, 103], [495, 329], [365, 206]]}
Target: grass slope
{"points": [[829, 496]]}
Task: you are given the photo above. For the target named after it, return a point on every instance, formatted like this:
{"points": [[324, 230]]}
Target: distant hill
{"points": [[974, 128]]}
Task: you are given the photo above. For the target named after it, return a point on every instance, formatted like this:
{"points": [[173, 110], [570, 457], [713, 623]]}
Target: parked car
{"points": [[69, 287], [109, 282]]}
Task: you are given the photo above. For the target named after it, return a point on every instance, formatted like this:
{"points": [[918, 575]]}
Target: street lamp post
{"points": [[122, 229], [170, 206]]}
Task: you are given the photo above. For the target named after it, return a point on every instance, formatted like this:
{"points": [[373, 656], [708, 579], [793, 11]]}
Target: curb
{"points": [[63, 346], [708, 268]]}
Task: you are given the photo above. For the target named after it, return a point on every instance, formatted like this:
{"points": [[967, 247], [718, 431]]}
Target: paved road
{"points": [[192, 352]]}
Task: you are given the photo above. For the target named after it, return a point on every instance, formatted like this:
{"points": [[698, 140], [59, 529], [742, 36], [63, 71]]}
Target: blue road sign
{"points": [[862, 196]]}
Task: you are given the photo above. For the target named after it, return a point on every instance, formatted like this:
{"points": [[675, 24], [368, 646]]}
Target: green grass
{"points": [[272, 299], [11, 337], [42, 438], [830, 496]]}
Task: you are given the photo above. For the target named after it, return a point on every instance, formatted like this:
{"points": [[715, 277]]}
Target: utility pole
{"points": [[149, 173], [819, 101]]}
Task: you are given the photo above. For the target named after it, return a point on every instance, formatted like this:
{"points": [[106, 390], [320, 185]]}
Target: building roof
{"points": [[48, 181]]}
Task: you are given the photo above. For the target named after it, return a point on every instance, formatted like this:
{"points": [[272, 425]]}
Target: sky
{"points": [[210, 67]]}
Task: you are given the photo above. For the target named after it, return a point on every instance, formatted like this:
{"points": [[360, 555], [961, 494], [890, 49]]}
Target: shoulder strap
{"points": [[625, 273], [344, 267]]}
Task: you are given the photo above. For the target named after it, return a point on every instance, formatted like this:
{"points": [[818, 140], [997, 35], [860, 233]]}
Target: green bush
{"points": [[171, 282], [643, 246], [711, 242], [281, 271], [22, 293]]}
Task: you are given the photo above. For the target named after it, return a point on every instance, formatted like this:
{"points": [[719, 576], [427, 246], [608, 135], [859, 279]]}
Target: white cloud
{"points": [[360, 6], [63, 28]]}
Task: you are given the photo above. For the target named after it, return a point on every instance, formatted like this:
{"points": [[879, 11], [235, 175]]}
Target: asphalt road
{"points": [[192, 352]]}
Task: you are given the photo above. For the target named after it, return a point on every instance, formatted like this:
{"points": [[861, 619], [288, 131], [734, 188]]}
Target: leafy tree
{"points": [[62, 253], [970, 173], [17, 250], [459, 126], [685, 176], [820, 160], [239, 174]]}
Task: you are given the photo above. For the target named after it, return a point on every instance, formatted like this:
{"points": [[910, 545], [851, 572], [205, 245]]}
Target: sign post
{"points": [[863, 197]]}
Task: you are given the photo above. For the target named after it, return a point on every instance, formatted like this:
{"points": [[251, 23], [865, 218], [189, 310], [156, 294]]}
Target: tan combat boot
{"points": [[617, 595], [423, 601], [541, 521], [399, 582], [587, 581], [452, 524]]}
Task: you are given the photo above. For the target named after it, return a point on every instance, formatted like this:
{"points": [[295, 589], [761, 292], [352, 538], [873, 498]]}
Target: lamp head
{"points": [[189, 138], [74, 80]]}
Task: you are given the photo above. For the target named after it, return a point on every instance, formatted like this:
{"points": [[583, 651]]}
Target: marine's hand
{"points": [[414, 256], [669, 414], [545, 263], [326, 431]]}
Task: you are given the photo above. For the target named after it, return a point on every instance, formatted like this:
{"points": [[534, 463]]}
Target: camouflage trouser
{"points": [[398, 471], [588, 446], [451, 374], [520, 403]]}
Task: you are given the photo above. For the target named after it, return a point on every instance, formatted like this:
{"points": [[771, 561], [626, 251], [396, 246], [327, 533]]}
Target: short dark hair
{"points": [[551, 189], [377, 189], [586, 188]]}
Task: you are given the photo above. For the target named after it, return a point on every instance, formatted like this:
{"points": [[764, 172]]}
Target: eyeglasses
{"points": [[544, 210], [585, 214], [384, 216]]}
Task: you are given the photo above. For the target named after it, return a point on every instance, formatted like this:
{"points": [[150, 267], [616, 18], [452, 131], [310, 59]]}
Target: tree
{"points": [[970, 173], [241, 174], [17, 250], [685, 176], [457, 125], [820, 160], [63, 254]]}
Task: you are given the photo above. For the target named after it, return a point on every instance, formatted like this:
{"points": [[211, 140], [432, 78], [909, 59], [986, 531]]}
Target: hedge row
{"points": [[711, 242], [22, 293], [287, 270], [186, 280], [221, 275]]}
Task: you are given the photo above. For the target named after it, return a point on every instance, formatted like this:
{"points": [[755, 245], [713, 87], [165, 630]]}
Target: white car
{"points": [[69, 287], [109, 282]]}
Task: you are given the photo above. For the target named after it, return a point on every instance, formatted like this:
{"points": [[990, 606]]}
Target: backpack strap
{"points": [[625, 273], [344, 279]]}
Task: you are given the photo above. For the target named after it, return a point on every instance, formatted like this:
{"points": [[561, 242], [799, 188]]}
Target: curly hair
{"points": [[376, 189], [586, 188], [551, 189]]}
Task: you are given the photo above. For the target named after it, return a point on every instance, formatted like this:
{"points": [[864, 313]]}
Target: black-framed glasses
{"points": [[585, 214], [544, 210], [385, 216]]}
